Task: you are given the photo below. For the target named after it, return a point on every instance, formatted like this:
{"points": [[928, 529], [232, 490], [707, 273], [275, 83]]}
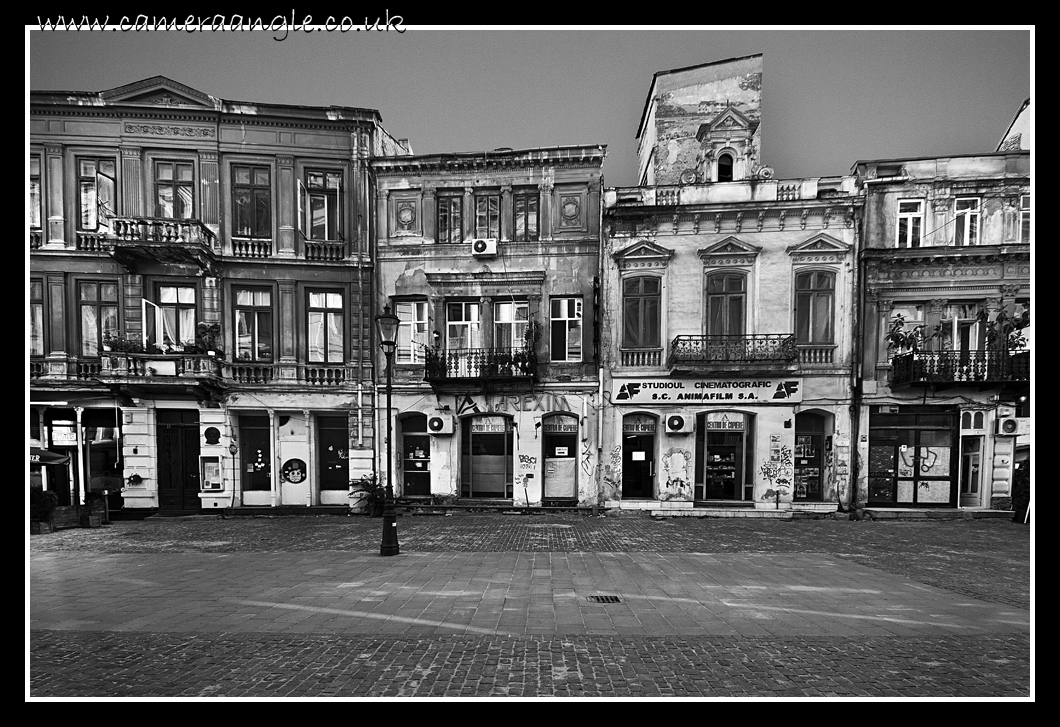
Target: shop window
{"points": [[486, 457], [251, 201], [253, 324], [98, 307], [333, 452], [415, 456], [96, 185], [324, 330], [723, 456], [174, 190]]}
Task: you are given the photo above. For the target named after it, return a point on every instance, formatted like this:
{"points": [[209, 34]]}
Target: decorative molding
{"points": [[643, 254], [285, 161], [821, 247], [196, 132]]}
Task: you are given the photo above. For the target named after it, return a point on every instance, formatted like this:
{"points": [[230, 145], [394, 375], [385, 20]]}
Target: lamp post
{"points": [[387, 324]]}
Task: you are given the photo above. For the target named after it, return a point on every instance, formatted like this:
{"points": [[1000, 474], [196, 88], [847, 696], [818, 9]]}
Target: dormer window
{"points": [[725, 168]]}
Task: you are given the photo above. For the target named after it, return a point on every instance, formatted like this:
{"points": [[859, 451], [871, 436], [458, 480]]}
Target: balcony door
{"points": [[463, 332], [726, 300]]}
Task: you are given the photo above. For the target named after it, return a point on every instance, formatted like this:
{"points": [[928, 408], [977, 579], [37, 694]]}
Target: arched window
{"points": [[725, 168], [814, 305]]}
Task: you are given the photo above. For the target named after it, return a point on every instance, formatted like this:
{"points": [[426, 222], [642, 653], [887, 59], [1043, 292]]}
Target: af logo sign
{"points": [[786, 390], [627, 391]]}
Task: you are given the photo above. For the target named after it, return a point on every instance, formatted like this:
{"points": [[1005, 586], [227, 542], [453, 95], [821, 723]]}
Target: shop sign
{"points": [[638, 425], [706, 391], [64, 432], [725, 422], [489, 425], [557, 425]]}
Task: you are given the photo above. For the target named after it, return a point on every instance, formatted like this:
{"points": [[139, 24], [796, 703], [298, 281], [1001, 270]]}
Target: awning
{"points": [[44, 456]]}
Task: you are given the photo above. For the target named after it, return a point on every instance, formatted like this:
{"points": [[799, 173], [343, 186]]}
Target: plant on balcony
{"points": [[123, 344], [901, 339], [525, 360], [207, 340], [1004, 332]]}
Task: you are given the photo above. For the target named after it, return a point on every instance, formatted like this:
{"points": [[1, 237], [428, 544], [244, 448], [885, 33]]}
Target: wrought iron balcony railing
{"points": [[925, 367], [752, 348], [480, 363]]}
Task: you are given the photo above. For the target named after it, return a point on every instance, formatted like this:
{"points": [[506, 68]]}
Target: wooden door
{"points": [[178, 459]]}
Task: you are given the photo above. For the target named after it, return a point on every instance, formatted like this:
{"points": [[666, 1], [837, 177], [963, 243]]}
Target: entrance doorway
{"points": [[415, 456], [486, 457], [638, 456], [178, 459], [722, 455], [971, 461], [912, 460], [809, 456], [560, 453], [255, 459]]}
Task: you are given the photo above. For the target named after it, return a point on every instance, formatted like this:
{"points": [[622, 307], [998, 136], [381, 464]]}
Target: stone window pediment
{"points": [[819, 248], [731, 251], [158, 91], [643, 254]]}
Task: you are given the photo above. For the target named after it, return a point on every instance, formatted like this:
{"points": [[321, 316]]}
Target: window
{"points": [[96, 193], [525, 216], [174, 190], [34, 192], [450, 207], [325, 330], [1025, 218], [36, 318], [412, 331], [725, 168], [98, 302], [320, 205], [910, 220], [251, 202], [640, 307], [488, 216], [463, 325], [814, 306], [565, 330], [253, 324], [509, 324], [726, 294], [967, 222], [170, 324]]}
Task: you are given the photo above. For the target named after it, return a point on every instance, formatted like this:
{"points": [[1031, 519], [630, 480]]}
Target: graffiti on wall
{"points": [[587, 459], [612, 477], [778, 472], [676, 464], [527, 462]]}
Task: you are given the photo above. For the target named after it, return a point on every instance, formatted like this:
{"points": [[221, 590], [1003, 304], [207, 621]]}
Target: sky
{"points": [[830, 96]]}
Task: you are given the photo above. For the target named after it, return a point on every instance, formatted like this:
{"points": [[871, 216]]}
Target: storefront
{"points": [[913, 457], [91, 437]]}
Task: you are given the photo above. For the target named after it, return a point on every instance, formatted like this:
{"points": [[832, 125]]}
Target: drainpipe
{"points": [[80, 456], [857, 327]]}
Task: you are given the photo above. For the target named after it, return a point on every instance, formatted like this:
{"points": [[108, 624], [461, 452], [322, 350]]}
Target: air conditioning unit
{"points": [[680, 424], [1013, 426], [484, 248], [440, 424]]}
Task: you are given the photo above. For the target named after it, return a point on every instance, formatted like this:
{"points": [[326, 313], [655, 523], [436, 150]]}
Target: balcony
{"points": [[753, 353], [245, 373], [466, 365], [138, 240], [197, 375], [642, 357], [984, 368]]}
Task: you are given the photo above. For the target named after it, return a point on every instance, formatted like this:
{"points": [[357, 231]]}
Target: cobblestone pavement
{"points": [[985, 560]]}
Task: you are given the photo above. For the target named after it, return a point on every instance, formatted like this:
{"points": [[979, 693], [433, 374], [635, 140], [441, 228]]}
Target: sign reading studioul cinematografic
{"points": [[706, 391]]}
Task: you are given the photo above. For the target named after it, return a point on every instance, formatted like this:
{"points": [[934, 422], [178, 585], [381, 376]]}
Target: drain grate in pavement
{"points": [[603, 599]]}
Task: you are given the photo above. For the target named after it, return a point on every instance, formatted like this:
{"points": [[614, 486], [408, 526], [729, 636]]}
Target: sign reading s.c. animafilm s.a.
{"points": [[706, 391]]}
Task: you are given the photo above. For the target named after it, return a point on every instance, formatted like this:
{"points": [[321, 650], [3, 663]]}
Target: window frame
{"points": [[327, 312], [472, 325], [516, 326], [1025, 218], [571, 326], [911, 240], [154, 316], [727, 297], [967, 224], [332, 198], [808, 299], [36, 316], [98, 304], [523, 198], [99, 209], [257, 193], [643, 331], [36, 192], [255, 310], [445, 205], [176, 184], [491, 229], [731, 167], [414, 324]]}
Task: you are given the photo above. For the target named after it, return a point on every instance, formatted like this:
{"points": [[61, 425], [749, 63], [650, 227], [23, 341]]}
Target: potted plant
{"points": [[368, 495], [208, 339], [41, 505]]}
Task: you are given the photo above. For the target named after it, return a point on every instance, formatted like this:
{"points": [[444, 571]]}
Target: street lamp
{"points": [[387, 324]]}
